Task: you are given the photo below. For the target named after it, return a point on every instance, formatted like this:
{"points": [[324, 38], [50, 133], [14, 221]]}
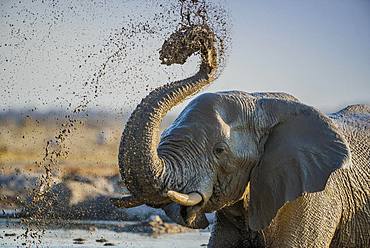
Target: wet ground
{"points": [[96, 234]]}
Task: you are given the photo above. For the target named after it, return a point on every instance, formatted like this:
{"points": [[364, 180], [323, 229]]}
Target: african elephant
{"points": [[277, 172]]}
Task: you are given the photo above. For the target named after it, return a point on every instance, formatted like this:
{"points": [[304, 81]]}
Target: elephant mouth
{"points": [[184, 209], [189, 215]]}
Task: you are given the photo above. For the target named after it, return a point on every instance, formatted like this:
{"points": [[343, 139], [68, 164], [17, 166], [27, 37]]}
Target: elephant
{"points": [[277, 172]]}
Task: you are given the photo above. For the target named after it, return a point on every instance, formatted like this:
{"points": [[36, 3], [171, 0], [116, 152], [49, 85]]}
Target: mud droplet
{"points": [[109, 244], [79, 239], [102, 240], [78, 242], [9, 234]]}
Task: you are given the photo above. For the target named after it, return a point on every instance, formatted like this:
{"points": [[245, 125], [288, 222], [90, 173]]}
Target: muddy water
{"points": [[99, 234], [120, 50]]}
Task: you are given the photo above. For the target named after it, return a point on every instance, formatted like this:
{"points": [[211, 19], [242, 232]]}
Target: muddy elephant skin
{"points": [[277, 172]]}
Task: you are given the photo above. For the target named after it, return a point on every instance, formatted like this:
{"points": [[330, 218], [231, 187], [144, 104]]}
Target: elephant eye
{"points": [[219, 150]]}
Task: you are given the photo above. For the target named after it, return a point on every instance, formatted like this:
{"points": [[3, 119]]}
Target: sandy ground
{"points": [[96, 234]]}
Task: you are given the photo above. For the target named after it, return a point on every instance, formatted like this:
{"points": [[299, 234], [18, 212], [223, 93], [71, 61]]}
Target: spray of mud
{"points": [[120, 67]]}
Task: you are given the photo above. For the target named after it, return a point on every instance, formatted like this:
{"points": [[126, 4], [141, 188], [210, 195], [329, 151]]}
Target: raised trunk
{"points": [[141, 168]]}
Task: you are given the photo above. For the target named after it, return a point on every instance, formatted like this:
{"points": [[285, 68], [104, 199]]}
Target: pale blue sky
{"points": [[317, 50]]}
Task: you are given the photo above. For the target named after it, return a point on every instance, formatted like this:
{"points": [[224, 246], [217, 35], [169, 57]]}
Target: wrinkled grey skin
{"points": [[337, 216], [278, 173]]}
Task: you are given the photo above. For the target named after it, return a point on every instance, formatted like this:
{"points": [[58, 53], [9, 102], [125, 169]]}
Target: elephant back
{"points": [[355, 113], [354, 123]]}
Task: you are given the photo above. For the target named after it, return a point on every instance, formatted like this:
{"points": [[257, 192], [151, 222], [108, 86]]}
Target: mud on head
{"points": [[186, 41]]}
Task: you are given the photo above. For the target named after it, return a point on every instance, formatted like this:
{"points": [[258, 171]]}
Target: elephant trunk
{"points": [[141, 168]]}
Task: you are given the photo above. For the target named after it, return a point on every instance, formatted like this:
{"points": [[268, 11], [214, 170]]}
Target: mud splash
{"points": [[214, 15], [120, 50]]}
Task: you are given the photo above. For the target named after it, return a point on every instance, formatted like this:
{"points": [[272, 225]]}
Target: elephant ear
{"points": [[302, 149]]}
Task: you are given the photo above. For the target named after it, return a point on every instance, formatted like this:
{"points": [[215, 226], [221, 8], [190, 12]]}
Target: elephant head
{"points": [[221, 143]]}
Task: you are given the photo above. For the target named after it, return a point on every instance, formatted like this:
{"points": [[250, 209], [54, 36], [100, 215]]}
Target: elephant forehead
{"points": [[243, 142], [198, 126]]}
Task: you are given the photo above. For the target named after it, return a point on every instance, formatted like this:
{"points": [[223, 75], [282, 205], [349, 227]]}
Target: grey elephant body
{"points": [[338, 216], [277, 172]]}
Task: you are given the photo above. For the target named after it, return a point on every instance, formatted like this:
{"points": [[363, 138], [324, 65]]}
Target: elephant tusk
{"points": [[188, 200], [127, 201]]}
